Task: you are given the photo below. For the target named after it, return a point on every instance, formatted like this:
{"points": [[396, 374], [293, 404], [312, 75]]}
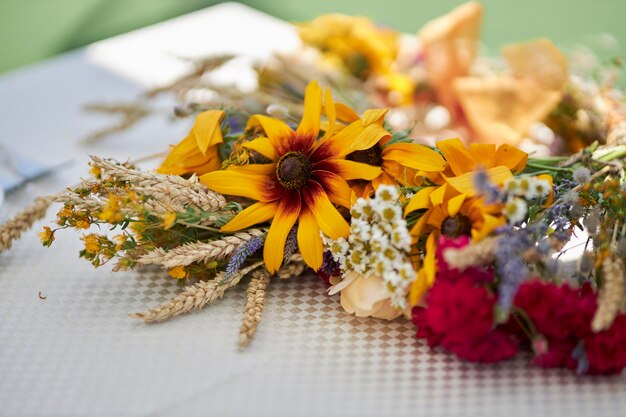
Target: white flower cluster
{"points": [[378, 244], [520, 190]]}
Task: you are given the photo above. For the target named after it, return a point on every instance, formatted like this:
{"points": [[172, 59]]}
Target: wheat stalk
{"points": [[611, 296], [293, 269], [13, 229], [477, 254], [169, 190], [254, 306], [193, 297], [198, 252]]}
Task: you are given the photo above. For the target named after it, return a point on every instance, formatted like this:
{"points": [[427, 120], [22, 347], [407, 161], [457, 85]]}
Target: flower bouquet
{"points": [[463, 237]]}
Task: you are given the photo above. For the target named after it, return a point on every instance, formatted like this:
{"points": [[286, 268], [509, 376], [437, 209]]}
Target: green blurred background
{"points": [[32, 30]]}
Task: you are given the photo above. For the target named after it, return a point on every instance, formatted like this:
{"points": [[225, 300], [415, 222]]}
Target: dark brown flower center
{"points": [[293, 170], [456, 226], [372, 156]]}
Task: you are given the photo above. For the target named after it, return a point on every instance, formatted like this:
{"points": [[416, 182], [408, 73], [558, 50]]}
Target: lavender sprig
{"points": [[291, 245], [240, 256]]}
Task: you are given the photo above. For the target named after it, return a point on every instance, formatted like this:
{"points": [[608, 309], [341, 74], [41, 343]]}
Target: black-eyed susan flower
{"points": [[305, 179], [398, 161], [198, 152], [453, 206]]}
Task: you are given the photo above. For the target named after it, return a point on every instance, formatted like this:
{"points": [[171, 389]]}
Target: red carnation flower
{"points": [[459, 317], [606, 351], [558, 312]]}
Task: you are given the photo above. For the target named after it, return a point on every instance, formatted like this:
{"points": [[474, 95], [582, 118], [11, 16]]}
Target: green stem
{"points": [[535, 165]]}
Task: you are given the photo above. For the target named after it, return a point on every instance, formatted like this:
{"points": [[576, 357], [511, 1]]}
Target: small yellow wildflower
{"points": [[111, 212], [95, 171], [177, 272], [120, 239], [47, 236], [82, 224], [169, 220], [92, 245]]}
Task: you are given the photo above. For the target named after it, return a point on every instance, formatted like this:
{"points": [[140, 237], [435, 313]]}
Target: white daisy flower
{"points": [[515, 210]]}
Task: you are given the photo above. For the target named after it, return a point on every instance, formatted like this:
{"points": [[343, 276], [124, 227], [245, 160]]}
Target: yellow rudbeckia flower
{"points": [[305, 179], [398, 161], [198, 152], [452, 207]]}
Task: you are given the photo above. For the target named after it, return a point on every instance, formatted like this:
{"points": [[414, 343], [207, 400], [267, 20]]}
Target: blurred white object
{"points": [[437, 118]]}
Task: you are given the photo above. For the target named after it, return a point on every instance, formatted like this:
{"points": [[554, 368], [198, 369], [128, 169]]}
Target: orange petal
{"points": [[483, 154], [232, 182], [207, 130], [345, 113], [420, 200], [310, 123], [263, 146], [286, 216], [256, 213], [309, 240], [511, 157], [326, 215], [465, 183], [414, 156], [459, 159]]}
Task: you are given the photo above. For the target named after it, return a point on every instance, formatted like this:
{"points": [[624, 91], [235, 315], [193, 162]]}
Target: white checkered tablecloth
{"points": [[76, 353]]}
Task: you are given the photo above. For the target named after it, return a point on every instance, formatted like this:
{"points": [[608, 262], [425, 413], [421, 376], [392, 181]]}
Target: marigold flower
{"points": [[305, 179], [198, 152]]}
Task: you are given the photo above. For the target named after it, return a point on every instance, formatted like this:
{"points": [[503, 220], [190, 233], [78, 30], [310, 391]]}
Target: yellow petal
{"points": [[459, 159], [326, 215], [465, 183], [351, 170], [286, 216], [419, 225], [511, 157], [438, 196], [232, 182], [429, 259], [420, 200], [414, 156], [263, 146], [256, 213], [310, 123], [331, 111], [490, 223], [207, 130], [369, 137], [276, 130], [455, 203], [418, 288], [309, 240], [374, 116], [254, 169]]}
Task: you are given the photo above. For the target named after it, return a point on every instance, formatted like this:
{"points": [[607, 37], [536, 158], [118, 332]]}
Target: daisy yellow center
{"points": [[456, 226], [372, 156], [293, 170]]}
